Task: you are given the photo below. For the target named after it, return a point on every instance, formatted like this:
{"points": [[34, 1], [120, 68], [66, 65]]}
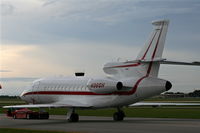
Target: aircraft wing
{"points": [[52, 105], [163, 104], [34, 106]]}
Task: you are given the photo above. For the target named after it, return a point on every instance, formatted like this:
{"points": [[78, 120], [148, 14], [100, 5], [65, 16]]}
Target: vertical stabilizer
{"points": [[146, 63], [153, 49]]}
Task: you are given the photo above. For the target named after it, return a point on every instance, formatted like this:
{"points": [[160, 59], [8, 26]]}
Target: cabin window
{"points": [[63, 88], [80, 87], [53, 87], [67, 88], [84, 88], [56, 87], [75, 88], [45, 88], [71, 88]]}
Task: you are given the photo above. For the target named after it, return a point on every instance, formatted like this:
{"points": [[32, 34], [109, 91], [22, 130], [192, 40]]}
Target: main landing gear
{"points": [[118, 116], [72, 116]]}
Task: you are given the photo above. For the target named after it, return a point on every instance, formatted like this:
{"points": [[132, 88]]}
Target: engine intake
{"points": [[119, 86], [168, 86]]}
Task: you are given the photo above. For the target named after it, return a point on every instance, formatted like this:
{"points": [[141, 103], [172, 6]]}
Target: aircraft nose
{"points": [[23, 94]]}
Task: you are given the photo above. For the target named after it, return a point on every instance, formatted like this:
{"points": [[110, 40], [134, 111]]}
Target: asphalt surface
{"points": [[92, 124]]}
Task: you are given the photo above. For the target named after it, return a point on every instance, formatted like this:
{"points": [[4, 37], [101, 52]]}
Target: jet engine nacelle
{"points": [[156, 84], [104, 85], [153, 86]]}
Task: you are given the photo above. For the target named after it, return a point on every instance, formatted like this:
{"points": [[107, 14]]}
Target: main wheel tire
{"points": [[118, 116], [74, 118]]}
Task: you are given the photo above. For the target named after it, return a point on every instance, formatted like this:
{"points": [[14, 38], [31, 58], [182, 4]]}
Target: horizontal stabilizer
{"points": [[195, 63], [165, 61]]}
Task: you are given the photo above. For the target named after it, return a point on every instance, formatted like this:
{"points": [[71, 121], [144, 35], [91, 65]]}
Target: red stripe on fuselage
{"points": [[62, 93]]}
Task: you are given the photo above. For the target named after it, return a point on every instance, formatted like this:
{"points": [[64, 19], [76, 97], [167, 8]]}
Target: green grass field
{"points": [[12, 130], [147, 112]]}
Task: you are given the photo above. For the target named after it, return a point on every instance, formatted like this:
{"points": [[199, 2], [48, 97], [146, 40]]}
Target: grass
{"points": [[148, 112], [7, 102], [187, 99], [13, 130], [166, 112]]}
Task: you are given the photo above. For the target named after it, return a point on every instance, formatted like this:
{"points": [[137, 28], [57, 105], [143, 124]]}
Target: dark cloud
{"points": [[5, 71], [49, 2], [100, 20], [6, 9]]}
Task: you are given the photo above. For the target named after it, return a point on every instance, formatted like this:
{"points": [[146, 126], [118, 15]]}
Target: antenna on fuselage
{"points": [[77, 74]]}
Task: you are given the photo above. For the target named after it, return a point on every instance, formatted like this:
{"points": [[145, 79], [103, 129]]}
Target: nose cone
{"points": [[23, 94], [168, 85]]}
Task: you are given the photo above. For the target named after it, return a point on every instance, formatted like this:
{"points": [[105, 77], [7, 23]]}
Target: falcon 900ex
{"points": [[127, 82]]}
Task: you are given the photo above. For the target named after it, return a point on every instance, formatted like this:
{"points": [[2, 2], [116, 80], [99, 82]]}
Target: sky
{"points": [[42, 38]]}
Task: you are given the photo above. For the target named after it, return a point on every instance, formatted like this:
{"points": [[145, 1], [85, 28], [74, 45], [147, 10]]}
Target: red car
{"points": [[27, 114]]}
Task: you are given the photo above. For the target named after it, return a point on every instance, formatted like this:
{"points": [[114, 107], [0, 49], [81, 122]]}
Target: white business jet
{"points": [[128, 82]]}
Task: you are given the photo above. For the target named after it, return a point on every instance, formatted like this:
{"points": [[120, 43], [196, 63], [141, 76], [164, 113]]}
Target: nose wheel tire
{"points": [[118, 116], [74, 118]]}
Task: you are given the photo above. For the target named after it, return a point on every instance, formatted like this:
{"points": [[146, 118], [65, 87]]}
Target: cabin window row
{"points": [[64, 88]]}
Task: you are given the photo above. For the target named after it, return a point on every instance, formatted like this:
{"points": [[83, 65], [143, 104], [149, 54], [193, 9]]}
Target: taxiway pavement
{"points": [[94, 124]]}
